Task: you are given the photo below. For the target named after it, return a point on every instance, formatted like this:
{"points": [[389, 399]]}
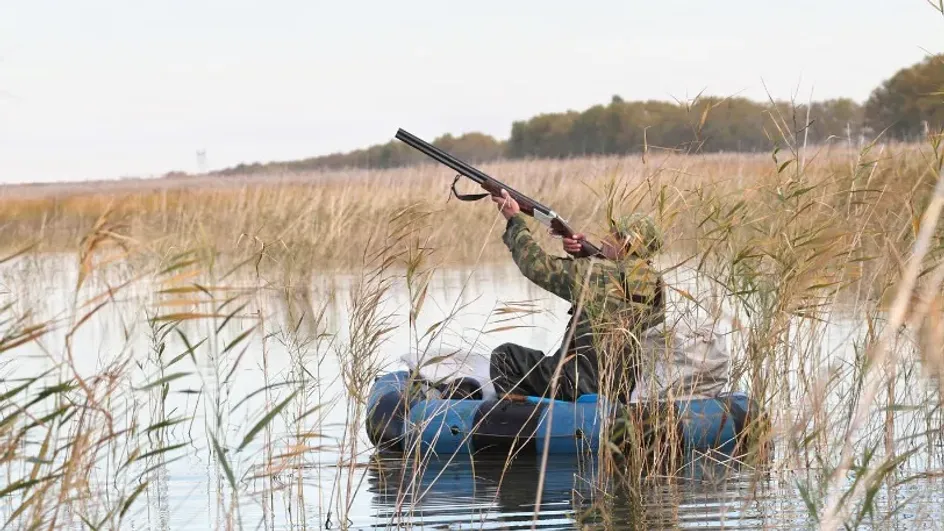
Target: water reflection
{"points": [[490, 493]]}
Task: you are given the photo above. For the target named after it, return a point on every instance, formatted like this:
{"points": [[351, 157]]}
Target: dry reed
{"points": [[322, 221], [788, 240]]}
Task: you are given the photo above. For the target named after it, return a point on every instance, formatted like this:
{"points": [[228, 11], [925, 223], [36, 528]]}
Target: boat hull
{"points": [[402, 417]]}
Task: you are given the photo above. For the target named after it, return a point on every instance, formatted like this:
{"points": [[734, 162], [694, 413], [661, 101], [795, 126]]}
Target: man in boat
{"points": [[614, 302]]}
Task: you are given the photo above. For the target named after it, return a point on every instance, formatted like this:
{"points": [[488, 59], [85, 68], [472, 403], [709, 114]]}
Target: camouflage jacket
{"points": [[623, 298]]}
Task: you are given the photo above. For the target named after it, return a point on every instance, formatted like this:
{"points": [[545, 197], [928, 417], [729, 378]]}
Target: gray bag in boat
{"points": [[680, 362]]}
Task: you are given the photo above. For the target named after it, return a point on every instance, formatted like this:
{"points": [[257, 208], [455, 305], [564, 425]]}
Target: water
{"points": [[311, 467], [484, 493]]}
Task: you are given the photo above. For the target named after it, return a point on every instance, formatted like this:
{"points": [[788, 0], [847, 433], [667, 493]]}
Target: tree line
{"points": [[904, 107]]}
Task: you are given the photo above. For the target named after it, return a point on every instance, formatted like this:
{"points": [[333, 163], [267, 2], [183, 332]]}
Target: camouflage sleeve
{"points": [[561, 276]]}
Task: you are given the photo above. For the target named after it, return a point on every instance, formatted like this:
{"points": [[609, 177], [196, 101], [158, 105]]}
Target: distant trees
{"points": [[901, 105], [840, 117], [911, 97], [706, 125], [472, 147]]}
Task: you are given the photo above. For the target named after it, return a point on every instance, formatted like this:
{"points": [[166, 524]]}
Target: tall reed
{"points": [[794, 248]]}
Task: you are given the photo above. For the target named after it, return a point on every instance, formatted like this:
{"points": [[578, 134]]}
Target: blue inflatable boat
{"points": [[403, 417]]}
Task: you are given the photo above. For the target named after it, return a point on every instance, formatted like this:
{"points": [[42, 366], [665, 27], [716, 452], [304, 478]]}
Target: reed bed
{"points": [[324, 220], [826, 259]]}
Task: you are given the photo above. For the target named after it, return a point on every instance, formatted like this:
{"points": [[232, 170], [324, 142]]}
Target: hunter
{"points": [[614, 299]]}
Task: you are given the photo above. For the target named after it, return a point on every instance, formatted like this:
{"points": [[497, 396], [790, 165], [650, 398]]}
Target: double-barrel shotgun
{"points": [[494, 187]]}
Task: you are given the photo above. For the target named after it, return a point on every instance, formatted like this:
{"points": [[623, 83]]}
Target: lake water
{"points": [[311, 466]]}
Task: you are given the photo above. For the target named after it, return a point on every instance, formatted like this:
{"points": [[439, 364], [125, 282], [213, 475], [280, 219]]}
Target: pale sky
{"points": [[98, 89]]}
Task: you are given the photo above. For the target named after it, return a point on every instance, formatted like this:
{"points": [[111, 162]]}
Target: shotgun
{"points": [[494, 187]]}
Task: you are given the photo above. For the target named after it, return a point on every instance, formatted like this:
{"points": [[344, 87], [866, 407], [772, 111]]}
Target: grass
{"points": [[325, 220], [231, 353]]}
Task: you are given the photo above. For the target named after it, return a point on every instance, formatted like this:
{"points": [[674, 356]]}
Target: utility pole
{"points": [[201, 161]]}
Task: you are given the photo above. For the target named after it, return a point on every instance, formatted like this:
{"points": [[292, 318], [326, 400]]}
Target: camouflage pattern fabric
{"points": [[629, 287], [647, 238], [622, 299]]}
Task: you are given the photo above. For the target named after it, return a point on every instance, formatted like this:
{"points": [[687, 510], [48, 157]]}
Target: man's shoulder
{"points": [[637, 276], [630, 266]]}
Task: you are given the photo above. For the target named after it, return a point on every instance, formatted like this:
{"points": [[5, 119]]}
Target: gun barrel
{"points": [[439, 155], [473, 173], [545, 214]]}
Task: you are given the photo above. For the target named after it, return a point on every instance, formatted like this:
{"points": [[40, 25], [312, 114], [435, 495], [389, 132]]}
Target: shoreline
{"points": [[210, 180]]}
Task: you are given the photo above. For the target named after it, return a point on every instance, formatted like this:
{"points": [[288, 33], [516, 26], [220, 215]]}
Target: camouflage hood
{"points": [[641, 227]]}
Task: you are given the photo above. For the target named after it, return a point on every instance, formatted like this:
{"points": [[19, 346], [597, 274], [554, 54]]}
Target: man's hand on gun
{"points": [[509, 207], [572, 245], [506, 204]]}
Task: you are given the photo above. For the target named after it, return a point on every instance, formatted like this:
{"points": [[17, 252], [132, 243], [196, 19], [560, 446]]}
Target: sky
{"points": [[102, 89]]}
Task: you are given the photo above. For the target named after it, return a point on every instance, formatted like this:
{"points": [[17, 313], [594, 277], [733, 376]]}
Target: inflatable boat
{"points": [[405, 414]]}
